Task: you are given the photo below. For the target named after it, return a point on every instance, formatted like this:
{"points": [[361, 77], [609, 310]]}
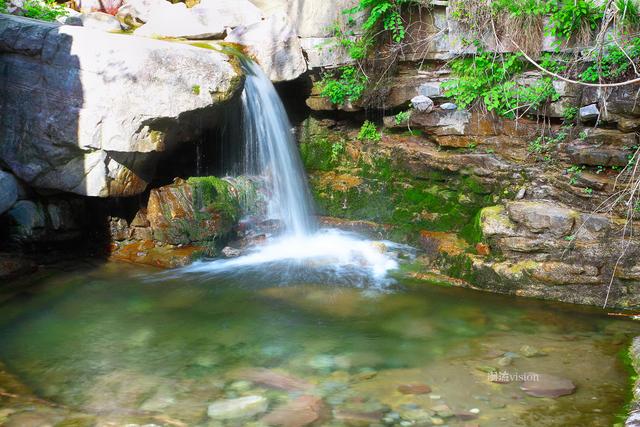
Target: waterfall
{"points": [[271, 152], [304, 252]]}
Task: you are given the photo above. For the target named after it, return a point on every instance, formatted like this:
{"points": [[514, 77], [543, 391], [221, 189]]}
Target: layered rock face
{"points": [[470, 193], [87, 112]]}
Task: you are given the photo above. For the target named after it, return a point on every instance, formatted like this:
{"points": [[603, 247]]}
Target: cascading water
{"points": [[270, 152], [302, 252]]}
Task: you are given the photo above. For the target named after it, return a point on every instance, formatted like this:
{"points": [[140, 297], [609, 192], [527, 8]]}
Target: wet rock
{"points": [[229, 252], [466, 415], [181, 213], [443, 411], [243, 407], [12, 266], [272, 379], [530, 351], [449, 106], [483, 249], [27, 219], [414, 389], [300, 412], [8, 191], [275, 45], [422, 103], [353, 418], [544, 385], [118, 229]]}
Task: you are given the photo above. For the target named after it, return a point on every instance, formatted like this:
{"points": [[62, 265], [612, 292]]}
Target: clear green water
{"points": [[106, 343]]}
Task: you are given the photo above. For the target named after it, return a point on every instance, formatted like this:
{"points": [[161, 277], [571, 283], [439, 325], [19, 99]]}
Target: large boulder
{"points": [[176, 20], [275, 45], [230, 13], [194, 211], [310, 18], [86, 111]]}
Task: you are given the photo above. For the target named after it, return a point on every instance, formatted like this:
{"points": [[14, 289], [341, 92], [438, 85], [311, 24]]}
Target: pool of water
{"points": [[126, 344]]}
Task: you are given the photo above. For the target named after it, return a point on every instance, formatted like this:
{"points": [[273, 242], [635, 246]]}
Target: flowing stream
{"points": [[306, 250]]}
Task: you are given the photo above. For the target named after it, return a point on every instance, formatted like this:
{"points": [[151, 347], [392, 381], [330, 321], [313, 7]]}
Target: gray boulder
{"points": [[177, 21], [275, 45], [135, 12], [100, 21], [230, 13], [88, 111], [590, 112], [8, 191], [422, 103]]}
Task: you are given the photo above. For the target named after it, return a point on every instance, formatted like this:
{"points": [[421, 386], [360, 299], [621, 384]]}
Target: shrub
{"points": [[47, 10], [347, 86], [490, 79], [369, 132]]}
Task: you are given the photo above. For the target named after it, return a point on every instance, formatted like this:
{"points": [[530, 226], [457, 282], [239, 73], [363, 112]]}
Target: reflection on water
{"points": [[111, 343]]}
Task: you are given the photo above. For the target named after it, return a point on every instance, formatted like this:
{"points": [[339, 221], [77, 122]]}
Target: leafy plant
{"points": [[47, 10], [3, 6], [348, 86], [386, 12], [614, 64], [403, 117], [491, 79], [568, 17], [337, 148], [629, 13], [569, 114], [574, 174], [369, 132]]}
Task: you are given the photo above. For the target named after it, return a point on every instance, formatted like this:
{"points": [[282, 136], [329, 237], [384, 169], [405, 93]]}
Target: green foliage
{"points": [[490, 78], [614, 64], [574, 173], [543, 145], [195, 89], [349, 85], [568, 17], [521, 7], [47, 10], [369, 132], [337, 149], [213, 194], [403, 117], [3, 6], [569, 114], [386, 12], [629, 13]]}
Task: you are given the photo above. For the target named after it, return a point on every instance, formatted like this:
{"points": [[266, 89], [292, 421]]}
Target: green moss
{"points": [[212, 194], [195, 89], [472, 231], [627, 361]]}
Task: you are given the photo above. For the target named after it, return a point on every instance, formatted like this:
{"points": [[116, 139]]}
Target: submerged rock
{"points": [[300, 412], [242, 407], [414, 389], [272, 379], [544, 385]]}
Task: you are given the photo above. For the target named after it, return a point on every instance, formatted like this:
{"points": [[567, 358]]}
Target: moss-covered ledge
{"points": [[634, 408]]}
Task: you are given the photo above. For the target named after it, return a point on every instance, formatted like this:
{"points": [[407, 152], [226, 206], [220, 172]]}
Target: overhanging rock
{"points": [[86, 112]]}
